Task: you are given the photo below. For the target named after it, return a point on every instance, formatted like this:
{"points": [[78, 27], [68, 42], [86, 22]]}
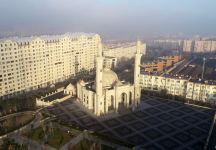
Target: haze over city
{"points": [[107, 75], [110, 18]]}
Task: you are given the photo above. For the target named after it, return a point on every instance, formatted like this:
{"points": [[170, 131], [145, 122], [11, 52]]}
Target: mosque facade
{"points": [[107, 93]]}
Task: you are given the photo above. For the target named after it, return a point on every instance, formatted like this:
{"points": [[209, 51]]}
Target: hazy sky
{"points": [[111, 18]]}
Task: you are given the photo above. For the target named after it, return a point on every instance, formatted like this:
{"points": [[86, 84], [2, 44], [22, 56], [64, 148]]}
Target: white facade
{"points": [[188, 45], [107, 94], [32, 62], [126, 51], [204, 46], [213, 46], [173, 86], [70, 90], [200, 91], [180, 87], [199, 46], [168, 44]]}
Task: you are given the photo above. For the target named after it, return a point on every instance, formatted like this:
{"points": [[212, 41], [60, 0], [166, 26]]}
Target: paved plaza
{"points": [[159, 124]]}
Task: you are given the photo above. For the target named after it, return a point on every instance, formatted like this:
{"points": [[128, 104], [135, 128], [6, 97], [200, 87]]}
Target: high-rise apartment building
{"points": [[167, 44], [188, 45], [126, 50], [202, 46], [213, 46], [199, 46], [32, 62]]}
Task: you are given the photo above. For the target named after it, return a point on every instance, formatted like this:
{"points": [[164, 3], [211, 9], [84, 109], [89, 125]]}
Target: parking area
{"points": [[164, 124]]}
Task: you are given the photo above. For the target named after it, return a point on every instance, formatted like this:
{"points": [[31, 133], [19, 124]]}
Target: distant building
{"points": [[161, 63], [126, 50], [168, 44], [213, 46], [202, 46], [188, 46], [199, 46]]}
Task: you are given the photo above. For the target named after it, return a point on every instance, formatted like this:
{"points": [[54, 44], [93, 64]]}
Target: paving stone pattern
{"points": [[165, 125]]}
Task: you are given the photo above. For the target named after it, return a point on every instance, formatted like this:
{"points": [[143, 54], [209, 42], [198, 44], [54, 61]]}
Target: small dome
{"points": [[109, 78]]}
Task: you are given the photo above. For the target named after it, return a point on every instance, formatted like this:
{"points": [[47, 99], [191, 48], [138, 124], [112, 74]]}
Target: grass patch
{"points": [[15, 122], [87, 144], [11, 145], [55, 138]]}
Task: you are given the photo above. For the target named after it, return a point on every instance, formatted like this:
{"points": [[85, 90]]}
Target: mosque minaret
{"points": [[137, 89], [99, 78]]}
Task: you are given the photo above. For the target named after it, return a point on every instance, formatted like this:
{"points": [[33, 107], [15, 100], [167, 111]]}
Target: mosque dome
{"points": [[109, 77]]}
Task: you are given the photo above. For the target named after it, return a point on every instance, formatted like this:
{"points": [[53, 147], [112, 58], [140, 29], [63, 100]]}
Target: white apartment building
{"points": [[200, 91], [204, 46], [168, 44], [188, 45], [199, 46], [174, 86], [152, 82], [126, 50], [195, 90], [213, 46], [32, 62]]}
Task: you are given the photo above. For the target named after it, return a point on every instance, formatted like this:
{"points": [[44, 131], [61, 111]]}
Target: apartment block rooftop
{"points": [[47, 37]]}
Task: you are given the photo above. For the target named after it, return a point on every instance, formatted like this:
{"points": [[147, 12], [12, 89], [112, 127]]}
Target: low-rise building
{"points": [[172, 85], [197, 90], [200, 90], [176, 86], [162, 63]]}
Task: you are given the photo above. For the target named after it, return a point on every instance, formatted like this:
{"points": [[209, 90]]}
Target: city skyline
{"points": [[112, 19], [108, 74]]}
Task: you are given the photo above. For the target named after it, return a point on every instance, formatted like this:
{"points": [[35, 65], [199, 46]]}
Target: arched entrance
{"points": [[111, 107], [123, 103], [124, 98]]}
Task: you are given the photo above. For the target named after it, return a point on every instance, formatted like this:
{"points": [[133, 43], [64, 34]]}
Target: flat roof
{"points": [[47, 37], [55, 96]]}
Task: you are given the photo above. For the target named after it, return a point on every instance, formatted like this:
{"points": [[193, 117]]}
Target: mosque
{"points": [[107, 93]]}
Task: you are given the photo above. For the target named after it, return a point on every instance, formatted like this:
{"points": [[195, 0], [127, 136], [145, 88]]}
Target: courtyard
{"points": [[158, 124]]}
